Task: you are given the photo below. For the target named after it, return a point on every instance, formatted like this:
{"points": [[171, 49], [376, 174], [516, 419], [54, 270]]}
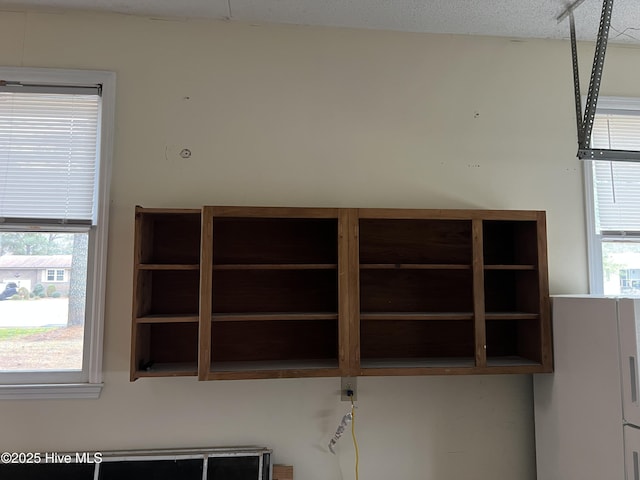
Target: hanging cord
{"points": [[349, 418], [353, 434]]}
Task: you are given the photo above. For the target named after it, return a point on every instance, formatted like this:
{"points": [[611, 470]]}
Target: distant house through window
{"points": [[629, 281]]}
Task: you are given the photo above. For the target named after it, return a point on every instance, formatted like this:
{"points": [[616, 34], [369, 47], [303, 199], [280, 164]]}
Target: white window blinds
{"points": [[617, 184], [48, 155]]}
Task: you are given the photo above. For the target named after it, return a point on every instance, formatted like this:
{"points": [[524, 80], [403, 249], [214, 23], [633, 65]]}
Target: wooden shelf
{"points": [[161, 266], [273, 365], [418, 316], [413, 266], [267, 317], [457, 362], [509, 267], [169, 370], [510, 361], [270, 292], [166, 293], [511, 316], [290, 266], [186, 318]]}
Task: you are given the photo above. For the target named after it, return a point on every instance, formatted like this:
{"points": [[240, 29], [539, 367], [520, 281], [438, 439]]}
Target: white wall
{"points": [[300, 116]]}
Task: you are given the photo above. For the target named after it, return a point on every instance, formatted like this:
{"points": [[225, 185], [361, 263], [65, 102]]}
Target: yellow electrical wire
{"points": [[353, 434]]}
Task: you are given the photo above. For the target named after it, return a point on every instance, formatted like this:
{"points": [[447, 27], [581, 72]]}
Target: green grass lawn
{"points": [[12, 332]]}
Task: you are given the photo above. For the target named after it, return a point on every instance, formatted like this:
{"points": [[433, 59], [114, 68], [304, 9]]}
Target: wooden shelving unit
{"points": [[166, 293], [415, 292], [271, 293], [254, 292], [451, 291], [516, 293]]}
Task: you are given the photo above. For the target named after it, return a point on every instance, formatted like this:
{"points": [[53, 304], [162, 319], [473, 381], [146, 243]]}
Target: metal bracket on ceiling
{"points": [[585, 124]]}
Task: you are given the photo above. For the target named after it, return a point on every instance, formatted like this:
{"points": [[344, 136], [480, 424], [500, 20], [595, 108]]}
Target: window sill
{"points": [[53, 391]]}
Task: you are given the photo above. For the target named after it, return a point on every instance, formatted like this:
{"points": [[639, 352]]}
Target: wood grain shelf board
{"points": [[274, 365], [163, 266], [511, 316], [493, 369], [186, 318], [448, 214], [265, 374], [510, 361], [282, 472], [273, 369], [436, 362], [246, 317], [416, 316], [169, 370], [270, 212], [510, 267], [278, 266], [413, 266], [160, 211]]}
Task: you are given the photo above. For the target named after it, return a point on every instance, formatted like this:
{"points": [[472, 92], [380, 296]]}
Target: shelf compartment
{"points": [[512, 291], [285, 340], [510, 242], [416, 291], [166, 349], [396, 340], [167, 292], [275, 241], [169, 238], [417, 241], [515, 342], [265, 291]]}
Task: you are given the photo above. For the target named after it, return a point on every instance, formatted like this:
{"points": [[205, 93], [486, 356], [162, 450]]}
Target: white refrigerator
{"points": [[587, 413]]}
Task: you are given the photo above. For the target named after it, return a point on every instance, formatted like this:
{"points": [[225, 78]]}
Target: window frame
{"points": [[88, 384], [595, 240]]}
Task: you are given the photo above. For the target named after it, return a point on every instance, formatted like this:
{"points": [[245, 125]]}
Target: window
{"points": [[56, 130], [613, 200], [54, 275]]}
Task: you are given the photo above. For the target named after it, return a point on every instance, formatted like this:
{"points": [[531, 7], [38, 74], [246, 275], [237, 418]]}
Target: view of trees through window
{"points": [[43, 278]]}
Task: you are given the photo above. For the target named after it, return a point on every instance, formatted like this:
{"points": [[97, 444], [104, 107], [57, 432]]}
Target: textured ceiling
{"points": [[510, 18]]}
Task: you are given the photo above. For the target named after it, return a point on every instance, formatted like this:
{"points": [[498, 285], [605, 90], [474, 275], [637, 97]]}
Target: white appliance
{"points": [[587, 413]]}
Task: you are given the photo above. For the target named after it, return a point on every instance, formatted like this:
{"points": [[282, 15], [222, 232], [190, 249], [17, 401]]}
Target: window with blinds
{"points": [[614, 199], [56, 131], [49, 154], [617, 184]]}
